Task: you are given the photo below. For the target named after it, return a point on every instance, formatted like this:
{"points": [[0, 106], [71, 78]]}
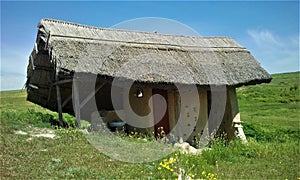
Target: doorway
{"points": [[162, 125]]}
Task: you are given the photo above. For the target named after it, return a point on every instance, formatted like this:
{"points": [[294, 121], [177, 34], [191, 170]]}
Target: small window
{"points": [[139, 93]]}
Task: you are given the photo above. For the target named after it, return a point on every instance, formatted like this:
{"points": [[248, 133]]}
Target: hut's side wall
{"points": [[40, 74]]}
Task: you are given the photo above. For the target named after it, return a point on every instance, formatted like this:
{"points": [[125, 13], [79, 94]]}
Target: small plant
{"points": [[182, 166], [209, 176]]}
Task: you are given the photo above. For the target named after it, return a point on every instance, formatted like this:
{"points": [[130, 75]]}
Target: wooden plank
{"points": [[76, 103], [63, 81], [92, 94], [171, 108], [47, 43]]}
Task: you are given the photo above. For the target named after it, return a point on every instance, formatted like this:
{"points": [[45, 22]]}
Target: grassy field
{"points": [[271, 115]]}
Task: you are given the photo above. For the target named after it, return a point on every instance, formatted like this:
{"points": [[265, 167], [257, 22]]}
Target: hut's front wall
{"points": [[193, 116], [142, 106], [192, 127]]}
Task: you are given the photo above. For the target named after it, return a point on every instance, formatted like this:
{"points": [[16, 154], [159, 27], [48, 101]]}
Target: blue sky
{"points": [[269, 29]]}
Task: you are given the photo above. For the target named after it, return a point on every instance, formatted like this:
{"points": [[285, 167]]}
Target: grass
{"points": [[270, 113], [275, 103], [15, 100]]}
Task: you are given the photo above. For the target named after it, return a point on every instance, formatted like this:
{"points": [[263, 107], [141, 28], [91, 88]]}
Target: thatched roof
{"points": [[158, 58]]}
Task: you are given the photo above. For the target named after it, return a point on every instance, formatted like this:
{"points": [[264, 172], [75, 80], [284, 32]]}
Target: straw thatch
{"points": [[63, 48]]}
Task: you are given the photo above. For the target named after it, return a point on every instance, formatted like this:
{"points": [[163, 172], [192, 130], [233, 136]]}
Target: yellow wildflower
{"points": [[191, 175], [171, 160]]}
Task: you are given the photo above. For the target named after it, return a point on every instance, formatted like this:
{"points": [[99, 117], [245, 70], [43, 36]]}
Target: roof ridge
{"points": [[127, 30], [70, 23], [151, 43]]}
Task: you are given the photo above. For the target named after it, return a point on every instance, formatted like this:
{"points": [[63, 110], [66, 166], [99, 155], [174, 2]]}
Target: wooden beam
{"points": [[47, 43], [92, 94], [76, 103], [63, 81], [66, 101]]}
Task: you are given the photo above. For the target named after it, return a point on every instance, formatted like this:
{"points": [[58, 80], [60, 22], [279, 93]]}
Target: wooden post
{"points": [[179, 116], [76, 103], [232, 116], [202, 131], [59, 107], [171, 106], [58, 96]]}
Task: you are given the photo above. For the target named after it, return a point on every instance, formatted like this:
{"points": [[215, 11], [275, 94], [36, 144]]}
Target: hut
{"points": [[74, 68]]}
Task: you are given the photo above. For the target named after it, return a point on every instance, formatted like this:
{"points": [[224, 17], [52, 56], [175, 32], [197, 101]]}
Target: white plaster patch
{"points": [[21, 132], [47, 135], [37, 132], [186, 148]]}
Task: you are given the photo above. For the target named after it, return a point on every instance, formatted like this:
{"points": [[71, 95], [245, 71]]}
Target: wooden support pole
{"points": [[59, 106], [231, 121], [171, 108], [76, 102]]}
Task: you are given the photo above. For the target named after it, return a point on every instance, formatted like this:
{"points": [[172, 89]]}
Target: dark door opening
{"points": [[161, 124]]}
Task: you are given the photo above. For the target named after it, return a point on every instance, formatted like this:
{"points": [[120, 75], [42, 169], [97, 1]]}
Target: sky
{"points": [[269, 29]]}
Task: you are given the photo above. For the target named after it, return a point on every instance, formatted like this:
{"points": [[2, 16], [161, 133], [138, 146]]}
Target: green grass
{"points": [[15, 100], [270, 113], [276, 103]]}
